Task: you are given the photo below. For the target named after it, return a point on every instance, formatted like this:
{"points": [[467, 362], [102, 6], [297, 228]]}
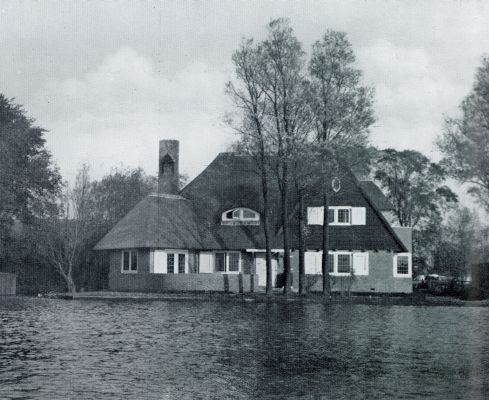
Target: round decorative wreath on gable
{"points": [[336, 184]]}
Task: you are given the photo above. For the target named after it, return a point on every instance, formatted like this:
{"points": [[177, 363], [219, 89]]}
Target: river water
{"points": [[58, 349]]}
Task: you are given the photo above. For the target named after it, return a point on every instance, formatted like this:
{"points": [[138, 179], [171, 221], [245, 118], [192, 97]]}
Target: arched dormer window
{"points": [[240, 216]]}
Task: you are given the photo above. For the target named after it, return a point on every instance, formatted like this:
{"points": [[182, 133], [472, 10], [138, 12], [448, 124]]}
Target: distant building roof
{"points": [[376, 196]]}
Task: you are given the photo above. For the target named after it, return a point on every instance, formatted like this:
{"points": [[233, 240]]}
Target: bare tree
{"points": [[249, 99], [64, 235], [343, 113], [285, 88]]}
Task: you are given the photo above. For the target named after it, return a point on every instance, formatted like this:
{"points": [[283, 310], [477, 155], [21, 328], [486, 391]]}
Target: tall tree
{"points": [[457, 248], [29, 182], [465, 140], [343, 113], [414, 185], [249, 99], [117, 193], [285, 89]]}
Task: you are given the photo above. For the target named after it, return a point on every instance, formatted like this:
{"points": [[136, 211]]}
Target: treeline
{"points": [[301, 117], [48, 228]]}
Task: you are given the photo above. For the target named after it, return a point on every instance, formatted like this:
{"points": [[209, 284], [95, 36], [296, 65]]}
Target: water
{"points": [[57, 349]]}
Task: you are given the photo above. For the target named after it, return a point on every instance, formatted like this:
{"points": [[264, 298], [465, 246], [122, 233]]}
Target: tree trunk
{"points": [[324, 260], [302, 246], [285, 227], [71, 285], [266, 228]]}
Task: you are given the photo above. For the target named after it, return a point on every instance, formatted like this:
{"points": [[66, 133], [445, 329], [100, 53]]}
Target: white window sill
{"points": [[129, 272], [340, 274], [402, 276], [339, 224]]}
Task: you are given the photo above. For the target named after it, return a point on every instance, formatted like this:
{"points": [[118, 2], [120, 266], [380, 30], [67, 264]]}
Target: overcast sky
{"points": [[108, 79]]}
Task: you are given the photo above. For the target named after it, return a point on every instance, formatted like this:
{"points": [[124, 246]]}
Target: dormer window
{"points": [[240, 216]]}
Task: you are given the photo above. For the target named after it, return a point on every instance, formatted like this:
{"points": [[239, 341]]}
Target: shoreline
{"points": [[415, 299]]}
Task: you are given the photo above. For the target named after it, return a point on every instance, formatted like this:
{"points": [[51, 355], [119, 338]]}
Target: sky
{"points": [[109, 79]]}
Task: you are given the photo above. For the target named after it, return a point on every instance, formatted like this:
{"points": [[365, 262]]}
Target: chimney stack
{"points": [[168, 176]]}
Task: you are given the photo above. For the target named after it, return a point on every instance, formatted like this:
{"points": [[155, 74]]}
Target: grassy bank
{"points": [[277, 297]]}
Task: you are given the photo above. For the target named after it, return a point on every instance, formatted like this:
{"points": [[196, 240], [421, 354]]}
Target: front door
{"points": [[261, 269]]}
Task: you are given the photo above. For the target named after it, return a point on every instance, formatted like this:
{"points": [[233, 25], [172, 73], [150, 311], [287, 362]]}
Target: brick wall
{"points": [[143, 281], [380, 278]]}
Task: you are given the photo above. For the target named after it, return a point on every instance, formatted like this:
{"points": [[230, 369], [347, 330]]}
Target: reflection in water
{"points": [[153, 350]]}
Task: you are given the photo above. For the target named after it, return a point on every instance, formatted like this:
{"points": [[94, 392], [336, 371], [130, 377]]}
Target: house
{"points": [[209, 236]]}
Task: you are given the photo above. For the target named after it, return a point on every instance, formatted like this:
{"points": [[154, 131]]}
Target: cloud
{"points": [[412, 94], [116, 113]]}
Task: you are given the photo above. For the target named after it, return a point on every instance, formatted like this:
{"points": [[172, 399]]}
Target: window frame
{"points": [[240, 219], [395, 265], [335, 262], [226, 262], [132, 253], [176, 256], [318, 213], [172, 255], [336, 210]]}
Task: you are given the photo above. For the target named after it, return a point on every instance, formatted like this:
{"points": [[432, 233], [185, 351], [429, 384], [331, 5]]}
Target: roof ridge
{"points": [[167, 196]]}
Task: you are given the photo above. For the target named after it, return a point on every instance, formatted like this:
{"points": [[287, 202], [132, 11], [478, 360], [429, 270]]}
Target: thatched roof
{"points": [[193, 220], [375, 194], [161, 221]]}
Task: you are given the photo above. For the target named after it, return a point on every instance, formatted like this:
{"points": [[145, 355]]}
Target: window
{"points": [[227, 262], [181, 263], [340, 263], [402, 265], [344, 263], [337, 215], [170, 263], [240, 216], [343, 216], [233, 262], [129, 261], [220, 262]]}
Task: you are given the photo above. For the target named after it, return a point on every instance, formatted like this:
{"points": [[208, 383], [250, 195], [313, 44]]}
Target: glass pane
{"points": [[170, 263], [234, 262], [344, 263], [330, 263], [343, 216], [181, 263], [247, 214], [134, 260], [236, 214], [402, 265], [220, 262], [229, 215], [125, 260]]}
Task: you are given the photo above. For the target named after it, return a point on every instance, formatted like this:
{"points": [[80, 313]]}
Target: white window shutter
{"points": [[312, 262], [315, 215], [309, 263], [159, 262], [205, 263], [358, 216], [360, 263]]}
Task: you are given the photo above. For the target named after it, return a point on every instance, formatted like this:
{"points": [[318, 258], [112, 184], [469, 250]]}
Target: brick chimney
{"points": [[168, 176]]}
